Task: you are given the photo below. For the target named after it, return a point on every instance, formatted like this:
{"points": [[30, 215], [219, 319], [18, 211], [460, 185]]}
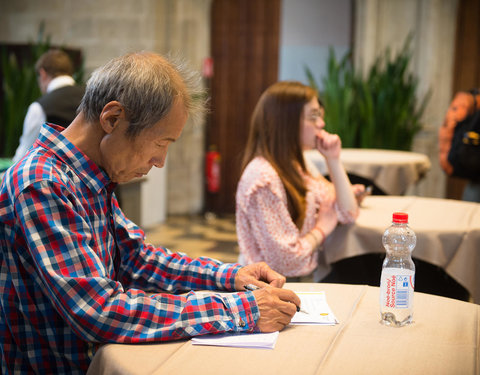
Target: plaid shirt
{"points": [[74, 271]]}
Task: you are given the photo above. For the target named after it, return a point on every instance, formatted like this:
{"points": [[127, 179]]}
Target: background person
{"points": [[283, 211], [75, 271], [462, 105], [59, 103]]}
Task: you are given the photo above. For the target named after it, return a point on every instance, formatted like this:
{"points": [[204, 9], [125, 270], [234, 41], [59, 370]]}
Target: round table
{"points": [[447, 230], [391, 171]]}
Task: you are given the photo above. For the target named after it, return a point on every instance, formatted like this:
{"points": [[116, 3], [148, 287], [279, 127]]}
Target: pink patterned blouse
{"points": [[265, 229]]}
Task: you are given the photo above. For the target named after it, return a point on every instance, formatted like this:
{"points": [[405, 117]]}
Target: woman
{"points": [[284, 212]]}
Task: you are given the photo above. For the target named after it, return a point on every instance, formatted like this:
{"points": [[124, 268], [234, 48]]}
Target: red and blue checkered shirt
{"points": [[75, 272]]}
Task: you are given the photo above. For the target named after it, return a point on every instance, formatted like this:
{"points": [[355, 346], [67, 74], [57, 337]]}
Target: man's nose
{"points": [[159, 160], [158, 163]]}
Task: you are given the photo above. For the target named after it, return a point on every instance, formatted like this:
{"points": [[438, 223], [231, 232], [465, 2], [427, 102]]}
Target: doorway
{"points": [[245, 52]]}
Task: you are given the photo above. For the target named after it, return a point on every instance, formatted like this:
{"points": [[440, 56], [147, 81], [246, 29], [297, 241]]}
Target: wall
{"points": [[103, 29], [308, 29], [382, 23]]}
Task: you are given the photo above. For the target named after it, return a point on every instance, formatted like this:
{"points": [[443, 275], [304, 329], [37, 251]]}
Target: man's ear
{"points": [[111, 113], [42, 74], [43, 79]]}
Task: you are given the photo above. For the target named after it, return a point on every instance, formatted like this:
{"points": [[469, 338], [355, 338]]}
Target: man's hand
{"points": [[277, 307], [259, 274]]}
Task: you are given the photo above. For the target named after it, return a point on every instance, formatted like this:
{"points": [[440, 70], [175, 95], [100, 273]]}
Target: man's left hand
{"points": [[259, 274]]}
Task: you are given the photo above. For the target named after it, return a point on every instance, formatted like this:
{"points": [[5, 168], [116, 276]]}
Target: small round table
{"points": [[391, 171]]}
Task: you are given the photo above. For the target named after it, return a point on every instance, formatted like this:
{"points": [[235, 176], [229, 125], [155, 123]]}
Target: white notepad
{"points": [[315, 303], [239, 340]]}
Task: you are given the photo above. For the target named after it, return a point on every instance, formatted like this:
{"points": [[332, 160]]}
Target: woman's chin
{"points": [[308, 147]]}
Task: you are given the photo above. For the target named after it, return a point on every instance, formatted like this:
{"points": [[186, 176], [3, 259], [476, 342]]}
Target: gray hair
{"points": [[147, 85]]}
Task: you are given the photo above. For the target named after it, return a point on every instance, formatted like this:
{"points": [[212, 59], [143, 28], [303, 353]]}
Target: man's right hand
{"points": [[277, 307]]}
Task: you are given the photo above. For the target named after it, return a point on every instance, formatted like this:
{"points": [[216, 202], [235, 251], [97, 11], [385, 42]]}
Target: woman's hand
{"points": [[329, 145], [360, 192]]}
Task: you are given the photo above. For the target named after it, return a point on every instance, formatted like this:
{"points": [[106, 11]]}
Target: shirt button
{"points": [[241, 323]]}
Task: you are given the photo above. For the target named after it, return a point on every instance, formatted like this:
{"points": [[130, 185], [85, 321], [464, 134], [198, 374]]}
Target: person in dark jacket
{"points": [[60, 100]]}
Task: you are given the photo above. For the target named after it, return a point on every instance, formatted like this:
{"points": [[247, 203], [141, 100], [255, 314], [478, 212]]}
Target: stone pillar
{"points": [[184, 30]]}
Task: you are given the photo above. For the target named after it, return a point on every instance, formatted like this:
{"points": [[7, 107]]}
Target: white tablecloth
{"points": [[448, 235], [392, 171], [443, 340]]}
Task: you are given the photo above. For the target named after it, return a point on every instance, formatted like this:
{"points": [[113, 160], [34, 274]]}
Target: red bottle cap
{"points": [[400, 217]]}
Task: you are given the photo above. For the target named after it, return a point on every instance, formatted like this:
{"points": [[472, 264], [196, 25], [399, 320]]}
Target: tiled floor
{"points": [[202, 235]]}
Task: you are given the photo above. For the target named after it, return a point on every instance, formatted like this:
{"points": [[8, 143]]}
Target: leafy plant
{"points": [[380, 111], [338, 97]]}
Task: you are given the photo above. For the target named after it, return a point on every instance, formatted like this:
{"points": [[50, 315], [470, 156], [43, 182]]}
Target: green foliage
{"points": [[380, 111]]}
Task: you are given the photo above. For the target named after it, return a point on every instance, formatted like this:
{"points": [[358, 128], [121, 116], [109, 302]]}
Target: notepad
{"points": [[319, 313], [315, 303], [239, 340]]}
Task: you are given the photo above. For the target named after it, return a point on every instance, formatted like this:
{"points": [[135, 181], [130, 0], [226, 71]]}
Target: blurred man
{"points": [[59, 103]]}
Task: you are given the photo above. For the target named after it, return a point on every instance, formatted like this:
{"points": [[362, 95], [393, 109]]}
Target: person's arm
{"points": [[329, 145], [149, 267], [32, 123], [76, 274]]}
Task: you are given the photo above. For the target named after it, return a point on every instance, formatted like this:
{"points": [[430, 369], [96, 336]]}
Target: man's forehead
{"points": [[170, 127]]}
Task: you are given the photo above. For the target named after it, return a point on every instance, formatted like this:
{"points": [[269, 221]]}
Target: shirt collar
{"points": [[90, 173], [60, 81]]}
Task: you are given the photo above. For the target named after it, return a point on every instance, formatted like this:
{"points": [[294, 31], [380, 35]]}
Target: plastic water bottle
{"points": [[398, 273]]}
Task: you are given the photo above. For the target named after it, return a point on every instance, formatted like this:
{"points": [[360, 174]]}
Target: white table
{"points": [[444, 339], [392, 171], [447, 230]]}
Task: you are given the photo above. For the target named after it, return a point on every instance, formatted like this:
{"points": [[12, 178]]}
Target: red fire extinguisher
{"points": [[212, 169]]}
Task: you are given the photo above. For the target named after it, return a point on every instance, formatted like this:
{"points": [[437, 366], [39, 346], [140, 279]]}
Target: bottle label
{"points": [[396, 286]]}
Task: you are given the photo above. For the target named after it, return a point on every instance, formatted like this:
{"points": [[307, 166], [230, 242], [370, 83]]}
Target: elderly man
{"points": [[75, 272]]}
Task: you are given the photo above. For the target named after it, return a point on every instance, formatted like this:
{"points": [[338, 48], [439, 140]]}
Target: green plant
{"points": [[338, 97], [379, 111]]}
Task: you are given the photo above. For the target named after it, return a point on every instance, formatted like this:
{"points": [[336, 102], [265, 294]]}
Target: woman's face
{"points": [[311, 123]]}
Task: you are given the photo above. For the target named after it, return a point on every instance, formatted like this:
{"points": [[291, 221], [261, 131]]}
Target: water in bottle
{"points": [[398, 273]]}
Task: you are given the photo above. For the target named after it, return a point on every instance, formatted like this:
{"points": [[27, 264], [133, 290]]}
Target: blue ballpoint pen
{"points": [[252, 287]]}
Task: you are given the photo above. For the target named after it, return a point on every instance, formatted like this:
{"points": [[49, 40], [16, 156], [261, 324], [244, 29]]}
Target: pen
{"points": [[252, 287]]}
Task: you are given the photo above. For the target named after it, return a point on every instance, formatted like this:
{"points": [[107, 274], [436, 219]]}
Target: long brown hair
{"points": [[275, 135]]}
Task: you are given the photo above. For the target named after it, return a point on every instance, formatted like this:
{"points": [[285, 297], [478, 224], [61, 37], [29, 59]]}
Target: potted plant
{"points": [[381, 110]]}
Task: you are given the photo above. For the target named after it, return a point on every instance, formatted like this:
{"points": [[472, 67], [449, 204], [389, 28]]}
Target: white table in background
{"points": [[447, 230], [392, 171]]}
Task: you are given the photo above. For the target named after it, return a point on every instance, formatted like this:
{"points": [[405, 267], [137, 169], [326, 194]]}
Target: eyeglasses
{"points": [[315, 116]]}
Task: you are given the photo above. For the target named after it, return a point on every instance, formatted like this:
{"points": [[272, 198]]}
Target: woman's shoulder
{"points": [[258, 173], [260, 169]]}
